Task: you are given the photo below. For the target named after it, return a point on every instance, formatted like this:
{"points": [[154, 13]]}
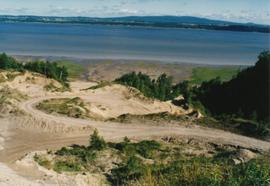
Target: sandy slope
{"points": [[36, 130], [9, 178]]}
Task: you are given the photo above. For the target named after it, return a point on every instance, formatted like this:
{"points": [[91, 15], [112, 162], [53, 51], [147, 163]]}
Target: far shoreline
{"points": [[115, 60]]}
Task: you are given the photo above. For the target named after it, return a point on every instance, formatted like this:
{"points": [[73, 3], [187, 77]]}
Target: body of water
{"points": [[121, 42]]}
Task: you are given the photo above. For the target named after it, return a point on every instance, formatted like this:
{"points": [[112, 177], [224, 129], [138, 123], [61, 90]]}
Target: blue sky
{"points": [[257, 11]]}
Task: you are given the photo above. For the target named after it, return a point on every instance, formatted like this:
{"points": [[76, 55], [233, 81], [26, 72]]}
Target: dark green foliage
{"points": [[255, 173], [50, 70], [144, 148], [131, 170], [252, 128], [194, 171], [84, 154], [76, 157], [96, 142], [177, 170], [7, 63], [161, 88], [246, 94]]}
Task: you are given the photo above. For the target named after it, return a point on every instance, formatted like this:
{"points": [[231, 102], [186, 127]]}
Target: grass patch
{"points": [[42, 161], [2, 79], [8, 93], [205, 171], [72, 107], [66, 166], [52, 88], [75, 70], [201, 74]]}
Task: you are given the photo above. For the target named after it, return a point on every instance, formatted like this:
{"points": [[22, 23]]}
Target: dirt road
{"points": [[45, 131], [111, 130]]}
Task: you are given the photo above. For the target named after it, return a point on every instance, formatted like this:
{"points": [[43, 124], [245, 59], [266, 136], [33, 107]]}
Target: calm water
{"points": [[118, 42]]}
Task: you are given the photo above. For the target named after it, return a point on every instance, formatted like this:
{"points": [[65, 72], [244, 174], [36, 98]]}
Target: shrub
{"points": [[96, 142], [84, 154], [131, 170], [144, 148]]}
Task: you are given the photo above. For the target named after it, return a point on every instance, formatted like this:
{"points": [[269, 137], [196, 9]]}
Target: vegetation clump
{"points": [[144, 148], [42, 161], [74, 158], [162, 164], [97, 142], [51, 87], [72, 107], [161, 88]]}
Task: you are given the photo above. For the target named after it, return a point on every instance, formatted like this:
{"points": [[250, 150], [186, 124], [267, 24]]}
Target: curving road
{"points": [[112, 130]]}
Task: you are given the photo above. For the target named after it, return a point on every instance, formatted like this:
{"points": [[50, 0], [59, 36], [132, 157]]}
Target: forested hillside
{"points": [[246, 95]]}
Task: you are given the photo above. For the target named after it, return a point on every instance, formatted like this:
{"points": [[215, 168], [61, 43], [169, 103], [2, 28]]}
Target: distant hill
{"points": [[172, 19], [152, 21]]}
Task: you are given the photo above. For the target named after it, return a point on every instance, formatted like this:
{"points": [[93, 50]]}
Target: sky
{"points": [[256, 11]]}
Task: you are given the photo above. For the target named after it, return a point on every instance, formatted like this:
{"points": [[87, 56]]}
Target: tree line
{"points": [[246, 95], [161, 88], [50, 70]]}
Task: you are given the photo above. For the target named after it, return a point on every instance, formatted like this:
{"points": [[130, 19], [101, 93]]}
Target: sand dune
{"points": [[35, 130]]}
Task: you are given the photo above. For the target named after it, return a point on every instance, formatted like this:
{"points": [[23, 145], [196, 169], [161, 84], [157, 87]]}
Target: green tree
{"points": [[96, 142]]}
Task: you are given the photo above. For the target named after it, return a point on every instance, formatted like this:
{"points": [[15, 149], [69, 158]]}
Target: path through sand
{"points": [[38, 130]]}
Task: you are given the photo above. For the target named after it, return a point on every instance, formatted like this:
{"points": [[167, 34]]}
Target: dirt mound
{"points": [[31, 84], [9, 100], [115, 100]]}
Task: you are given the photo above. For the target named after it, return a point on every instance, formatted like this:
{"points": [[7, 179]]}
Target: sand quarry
{"points": [[25, 130]]}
